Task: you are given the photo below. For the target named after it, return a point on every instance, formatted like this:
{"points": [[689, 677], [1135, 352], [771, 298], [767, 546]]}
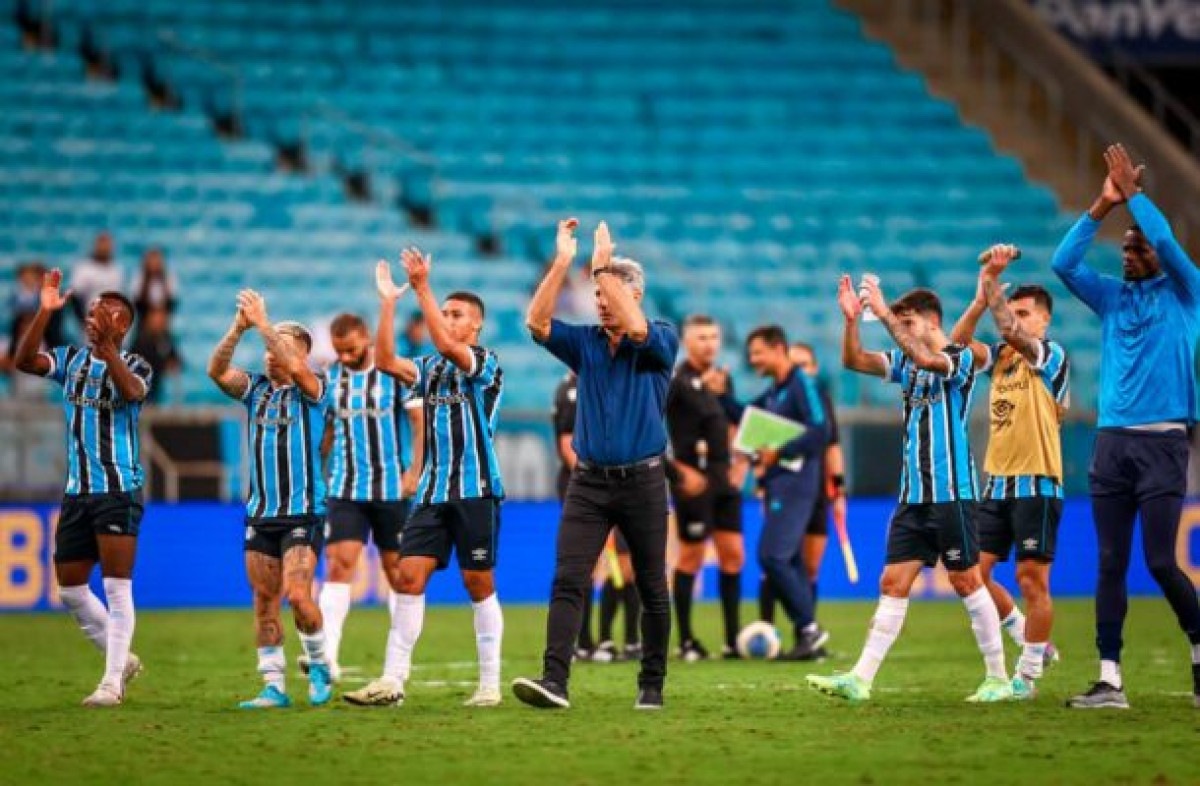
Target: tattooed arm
{"points": [[1006, 321], [255, 308], [921, 356], [231, 380]]}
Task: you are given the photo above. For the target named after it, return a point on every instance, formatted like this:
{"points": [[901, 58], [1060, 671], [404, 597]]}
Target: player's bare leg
{"points": [[299, 568], [489, 633], [1033, 577], [266, 582]]}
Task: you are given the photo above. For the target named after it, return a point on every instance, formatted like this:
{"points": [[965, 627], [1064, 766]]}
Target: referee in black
{"points": [[624, 367]]}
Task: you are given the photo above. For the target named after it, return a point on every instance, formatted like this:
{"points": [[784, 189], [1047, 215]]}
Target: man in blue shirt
{"points": [[624, 367], [1150, 323], [103, 391], [456, 507], [285, 410], [791, 479]]}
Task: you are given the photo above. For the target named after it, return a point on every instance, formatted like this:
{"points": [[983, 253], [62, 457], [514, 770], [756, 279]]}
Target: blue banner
{"points": [[190, 555]]}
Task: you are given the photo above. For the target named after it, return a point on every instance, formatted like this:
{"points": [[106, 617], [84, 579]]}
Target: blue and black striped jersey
{"points": [[367, 411], [461, 411], [285, 430], [103, 451], [938, 465]]}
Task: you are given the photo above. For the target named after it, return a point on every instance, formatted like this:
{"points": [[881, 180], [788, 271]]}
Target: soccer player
{"points": [[700, 435], [934, 518], [103, 389], [1022, 502], [286, 409], [831, 502], [368, 482], [791, 478], [457, 505], [1150, 325]]}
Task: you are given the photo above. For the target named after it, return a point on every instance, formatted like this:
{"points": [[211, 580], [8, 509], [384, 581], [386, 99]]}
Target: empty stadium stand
{"points": [[746, 152]]}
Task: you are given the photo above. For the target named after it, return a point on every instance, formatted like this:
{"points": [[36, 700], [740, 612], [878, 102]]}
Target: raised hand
{"points": [[1123, 175], [848, 299], [384, 284], [565, 244], [51, 298], [873, 296], [416, 265], [998, 258], [253, 308], [602, 249], [241, 322]]}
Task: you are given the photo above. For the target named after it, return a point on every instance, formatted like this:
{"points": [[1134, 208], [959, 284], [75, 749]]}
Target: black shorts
{"points": [[351, 520], [1031, 524], [818, 523], [84, 516], [719, 508], [470, 527], [276, 536], [933, 531]]}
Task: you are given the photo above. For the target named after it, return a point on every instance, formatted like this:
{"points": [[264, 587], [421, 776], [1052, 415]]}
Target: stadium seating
{"points": [[747, 152]]}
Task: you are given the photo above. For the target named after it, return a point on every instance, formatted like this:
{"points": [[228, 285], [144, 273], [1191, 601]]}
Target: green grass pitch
{"points": [[727, 723]]}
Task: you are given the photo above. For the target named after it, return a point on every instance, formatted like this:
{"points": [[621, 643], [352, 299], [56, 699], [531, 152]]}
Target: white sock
{"points": [[408, 617], [885, 628], [314, 646], [391, 602], [121, 621], [335, 605], [1032, 657], [985, 623], [489, 631], [89, 613], [1110, 672], [1196, 653], [1014, 626], [272, 665]]}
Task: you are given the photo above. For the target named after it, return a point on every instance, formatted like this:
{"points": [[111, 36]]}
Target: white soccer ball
{"points": [[759, 641]]}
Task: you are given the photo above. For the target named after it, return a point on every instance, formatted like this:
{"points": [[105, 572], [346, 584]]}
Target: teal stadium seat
{"points": [[743, 150]]}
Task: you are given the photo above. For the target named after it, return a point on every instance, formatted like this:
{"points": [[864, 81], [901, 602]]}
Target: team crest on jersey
{"points": [[572, 394], [697, 384], [1002, 412]]}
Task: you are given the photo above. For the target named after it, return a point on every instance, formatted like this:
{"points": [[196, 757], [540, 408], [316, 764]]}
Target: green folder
{"points": [[760, 429]]}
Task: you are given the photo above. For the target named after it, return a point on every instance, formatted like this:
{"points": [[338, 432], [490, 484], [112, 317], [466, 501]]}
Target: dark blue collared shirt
{"points": [[621, 394]]}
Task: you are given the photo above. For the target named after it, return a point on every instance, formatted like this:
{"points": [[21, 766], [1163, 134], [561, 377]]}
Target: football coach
{"points": [[624, 367]]}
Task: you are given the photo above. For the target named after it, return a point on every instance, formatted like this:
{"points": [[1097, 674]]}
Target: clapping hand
{"points": [[416, 265], [253, 308], [1123, 175], [385, 285], [848, 299], [51, 298], [602, 248], [565, 244]]}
